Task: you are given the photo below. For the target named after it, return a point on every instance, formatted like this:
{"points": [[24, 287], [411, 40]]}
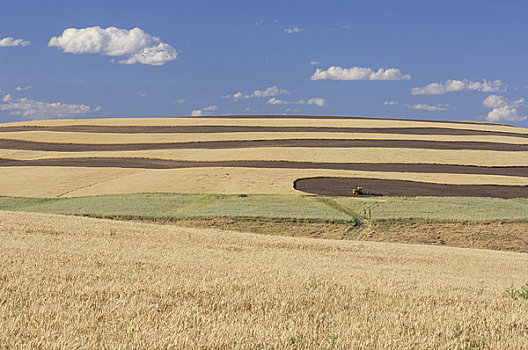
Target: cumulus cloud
{"points": [[200, 112], [135, 45], [495, 101], [317, 101], [315, 63], [31, 109], [359, 73], [459, 85], [426, 107], [23, 88], [179, 101], [503, 109], [293, 30], [6, 42], [421, 106], [269, 92]]}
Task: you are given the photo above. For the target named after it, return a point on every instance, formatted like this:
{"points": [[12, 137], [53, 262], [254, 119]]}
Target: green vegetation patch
{"points": [[169, 205], [437, 208], [283, 207]]}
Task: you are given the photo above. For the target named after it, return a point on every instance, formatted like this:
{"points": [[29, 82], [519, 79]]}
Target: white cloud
{"points": [[141, 94], [179, 101], [494, 101], [359, 73], [318, 101], [293, 30], [292, 110], [31, 109], [315, 63], [426, 107], [276, 101], [6, 98], [503, 109], [134, 44], [271, 91], [421, 106], [5, 42], [210, 108], [506, 113], [23, 88], [459, 85], [200, 112]]}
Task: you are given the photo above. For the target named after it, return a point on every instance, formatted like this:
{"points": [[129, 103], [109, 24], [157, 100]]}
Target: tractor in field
{"points": [[358, 191]]}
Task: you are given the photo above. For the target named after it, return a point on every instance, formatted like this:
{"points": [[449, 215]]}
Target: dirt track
{"points": [[309, 143], [241, 129], [145, 163], [335, 186]]}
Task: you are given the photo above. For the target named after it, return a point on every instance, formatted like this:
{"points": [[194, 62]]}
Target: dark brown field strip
{"points": [[188, 129], [335, 186], [147, 163], [310, 143]]}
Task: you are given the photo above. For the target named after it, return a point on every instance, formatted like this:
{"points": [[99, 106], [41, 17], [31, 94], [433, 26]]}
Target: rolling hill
{"points": [[262, 155]]}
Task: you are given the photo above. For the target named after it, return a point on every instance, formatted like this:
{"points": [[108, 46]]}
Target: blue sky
{"points": [[447, 60]]}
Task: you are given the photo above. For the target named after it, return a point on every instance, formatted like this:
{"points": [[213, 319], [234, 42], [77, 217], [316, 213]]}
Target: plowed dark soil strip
{"points": [[146, 163], [335, 186], [237, 129], [82, 147]]}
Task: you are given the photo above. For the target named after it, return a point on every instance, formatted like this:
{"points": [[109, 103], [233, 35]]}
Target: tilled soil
{"points": [[341, 186], [311, 143], [233, 129], [147, 163]]}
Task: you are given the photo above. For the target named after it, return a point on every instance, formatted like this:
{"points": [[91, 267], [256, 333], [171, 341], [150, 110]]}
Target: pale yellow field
{"points": [[69, 282], [73, 182], [303, 154], [54, 182], [344, 122], [113, 138]]}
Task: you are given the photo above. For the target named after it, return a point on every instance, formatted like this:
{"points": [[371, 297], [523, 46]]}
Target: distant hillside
{"points": [[262, 155]]}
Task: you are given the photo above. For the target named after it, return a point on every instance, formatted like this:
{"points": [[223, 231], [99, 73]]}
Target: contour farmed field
{"points": [[261, 155], [152, 281]]}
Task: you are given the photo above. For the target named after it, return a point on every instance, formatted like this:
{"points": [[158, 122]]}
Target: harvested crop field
{"points": [[260, 155], [81, 282]]}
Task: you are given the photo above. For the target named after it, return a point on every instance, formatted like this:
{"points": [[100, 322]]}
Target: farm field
{"points": [[72, 281], [261, 155], [491, 223], [215, 244]]}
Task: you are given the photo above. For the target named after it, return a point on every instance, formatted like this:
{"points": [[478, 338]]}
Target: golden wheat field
{"points": [[71, 282], [64, 158]]}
